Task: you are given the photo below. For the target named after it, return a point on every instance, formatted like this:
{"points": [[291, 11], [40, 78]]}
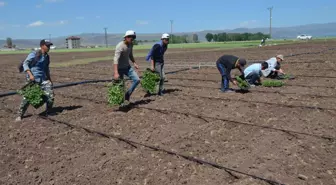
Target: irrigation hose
{"points": [[171, 72], [190, 158]]}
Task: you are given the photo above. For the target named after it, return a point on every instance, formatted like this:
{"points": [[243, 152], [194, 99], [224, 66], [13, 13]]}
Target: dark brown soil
{"points": [[284, 134]]}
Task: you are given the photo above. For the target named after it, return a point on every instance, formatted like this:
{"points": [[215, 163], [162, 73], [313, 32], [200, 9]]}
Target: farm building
{"points": [[72, 42]]}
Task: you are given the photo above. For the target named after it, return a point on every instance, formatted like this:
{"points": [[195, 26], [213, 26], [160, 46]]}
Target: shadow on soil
{"points": [[56, 110], [166, 91], [130, 106], [242, 91]]}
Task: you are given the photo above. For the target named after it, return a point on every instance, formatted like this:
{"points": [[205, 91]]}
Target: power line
{"points": [[270, 29], [106, 37], [171, 29]]}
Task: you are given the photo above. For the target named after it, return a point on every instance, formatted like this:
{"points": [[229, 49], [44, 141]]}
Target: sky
{"points": [[34, 19]]}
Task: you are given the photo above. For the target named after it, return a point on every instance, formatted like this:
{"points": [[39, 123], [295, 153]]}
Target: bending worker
{"points": [[224, 65], [253, 73]]}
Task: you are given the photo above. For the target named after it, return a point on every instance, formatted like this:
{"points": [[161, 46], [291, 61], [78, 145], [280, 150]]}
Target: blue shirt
{"points": [[41, 67], [156, 53], [253, 68]]}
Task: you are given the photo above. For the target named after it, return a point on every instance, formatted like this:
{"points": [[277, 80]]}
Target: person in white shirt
{"points": [[274, 67]]}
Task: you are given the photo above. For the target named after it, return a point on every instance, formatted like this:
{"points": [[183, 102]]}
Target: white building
{"points": [[72, 42]]}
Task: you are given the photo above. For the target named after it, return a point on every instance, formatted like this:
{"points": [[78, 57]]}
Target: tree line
{"points": [[174, 39], [222, 37]]}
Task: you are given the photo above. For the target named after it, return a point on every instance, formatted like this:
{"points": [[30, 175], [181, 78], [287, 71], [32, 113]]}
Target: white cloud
{"points": [[35, 24], [62, 22], [79, 17], [52, 1], [250, 23], [2, 3], [140, 22], [38, 6]]}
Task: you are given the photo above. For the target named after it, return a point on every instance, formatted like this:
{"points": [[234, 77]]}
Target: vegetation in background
{"points": [[150, 81], [33, 93], [223, 37], [116, 92]]}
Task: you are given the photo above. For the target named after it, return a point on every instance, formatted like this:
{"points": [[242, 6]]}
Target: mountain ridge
{"points": [[289, 32]]}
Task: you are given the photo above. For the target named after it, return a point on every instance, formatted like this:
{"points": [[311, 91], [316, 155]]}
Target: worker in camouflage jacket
{"points": [[36, 66]]}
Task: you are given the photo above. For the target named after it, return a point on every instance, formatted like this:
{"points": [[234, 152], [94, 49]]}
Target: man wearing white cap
{"points": [[155, 55], [123, 54], [274, 67]]}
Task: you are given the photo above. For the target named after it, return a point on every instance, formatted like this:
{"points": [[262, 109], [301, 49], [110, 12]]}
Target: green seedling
{"points": [[272, 83], [242, 84], [116, 92], [33, 93], [150, 81]]}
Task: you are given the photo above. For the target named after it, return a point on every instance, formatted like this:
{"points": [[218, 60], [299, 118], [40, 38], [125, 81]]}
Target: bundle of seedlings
{"points": [[33, 93], [116, 92], [272, 83], [242, 83], [287, 76], [150, 81]]}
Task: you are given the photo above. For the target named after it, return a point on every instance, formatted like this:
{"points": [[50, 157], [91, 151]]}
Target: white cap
{"points": [[280, 56], [165, 36], [130, 33]]}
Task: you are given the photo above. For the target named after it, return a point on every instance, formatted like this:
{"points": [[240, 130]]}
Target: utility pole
{"points": [[171, 29], [270, 29], [106, 37]]}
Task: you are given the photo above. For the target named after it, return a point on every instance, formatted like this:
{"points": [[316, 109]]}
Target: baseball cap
{"points": [[242, 62], [280, 56], [130, 33], [45, 42], [165, 36]]}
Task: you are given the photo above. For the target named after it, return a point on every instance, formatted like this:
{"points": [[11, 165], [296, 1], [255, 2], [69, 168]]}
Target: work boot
{"points": [[228, 91], [160, 93], [127, 96]]}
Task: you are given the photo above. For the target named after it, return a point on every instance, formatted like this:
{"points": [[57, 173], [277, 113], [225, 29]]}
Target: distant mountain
{"points": [[316, 30]]}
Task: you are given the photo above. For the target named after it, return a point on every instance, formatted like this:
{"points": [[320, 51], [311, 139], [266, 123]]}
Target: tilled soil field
{"points": [[268, 135]]}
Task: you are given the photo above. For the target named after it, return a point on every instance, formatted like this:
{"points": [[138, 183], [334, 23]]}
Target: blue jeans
{"points": [[130, 72], [225, 79], [252, 77]]}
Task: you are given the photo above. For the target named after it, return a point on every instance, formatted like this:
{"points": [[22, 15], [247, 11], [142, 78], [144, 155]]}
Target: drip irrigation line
{"points": [[241, 123], [211, 80], [157, 148], [261, 91], [89, 81], [267, 103], [172, 72], [163, 111]]}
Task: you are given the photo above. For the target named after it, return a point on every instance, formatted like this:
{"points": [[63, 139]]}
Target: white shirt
{"points": [[272, 62]]}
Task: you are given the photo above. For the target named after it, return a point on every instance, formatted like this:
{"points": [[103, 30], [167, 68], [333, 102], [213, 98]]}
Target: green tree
{"points": [[215, 37], [135, 42], [195, 38], [209, 37], [9, 42]]}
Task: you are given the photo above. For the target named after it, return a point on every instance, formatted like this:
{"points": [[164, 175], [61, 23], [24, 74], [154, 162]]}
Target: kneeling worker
{"points": [[274, 68], [224, 65], [254, 72]]}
